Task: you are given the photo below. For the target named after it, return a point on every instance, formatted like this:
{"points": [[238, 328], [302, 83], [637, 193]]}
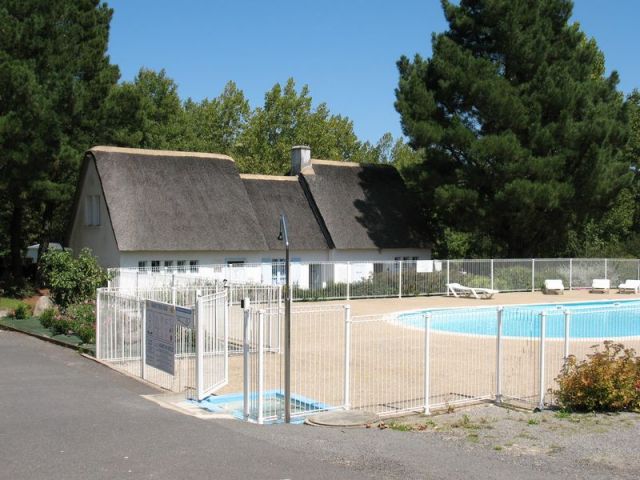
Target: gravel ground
{"points": [[589, 442]]}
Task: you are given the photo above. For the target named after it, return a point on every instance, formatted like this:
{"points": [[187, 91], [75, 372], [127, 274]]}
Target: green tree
{"points": [[287, 119], [54, 76], [522, 135]]}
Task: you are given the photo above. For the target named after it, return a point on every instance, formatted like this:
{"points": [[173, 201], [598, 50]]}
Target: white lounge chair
{"points": [[602, 285], [458, 290], [629, 286], [553, 286]]}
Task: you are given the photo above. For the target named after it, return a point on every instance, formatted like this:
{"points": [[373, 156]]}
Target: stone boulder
{"points": [[42, 304]]}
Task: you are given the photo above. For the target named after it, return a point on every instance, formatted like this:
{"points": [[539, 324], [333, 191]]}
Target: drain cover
{"points": [[343, 418]]}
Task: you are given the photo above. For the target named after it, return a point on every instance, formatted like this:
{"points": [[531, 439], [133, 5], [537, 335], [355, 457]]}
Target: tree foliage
{"points": [[54, 76], [523, 136]]}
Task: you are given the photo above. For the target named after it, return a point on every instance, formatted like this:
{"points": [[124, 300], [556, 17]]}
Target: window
{"points": [[155, 265], [142, 266], [193, 266], [168, 264], [235, 262], [92, 210], [181, 265], [278, 271]]}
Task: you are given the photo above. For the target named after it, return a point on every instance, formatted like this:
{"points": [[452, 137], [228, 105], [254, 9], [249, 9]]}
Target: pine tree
{"points": [[523, 135], [54, 76]]}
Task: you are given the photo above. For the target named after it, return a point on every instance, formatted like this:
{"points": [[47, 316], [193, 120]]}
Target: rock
{"points": [[43, 304]]}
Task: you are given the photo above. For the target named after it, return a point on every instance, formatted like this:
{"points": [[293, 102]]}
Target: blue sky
{"points": [[344, 50]]}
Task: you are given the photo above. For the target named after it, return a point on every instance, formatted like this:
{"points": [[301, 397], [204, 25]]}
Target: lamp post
{"points": [[284, 236]]}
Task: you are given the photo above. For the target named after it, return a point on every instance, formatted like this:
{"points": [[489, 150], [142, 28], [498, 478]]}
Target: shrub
{"points": [[47, 317], [86, 332], [22, 311], [72, 280], [608, 380], [61, 325]]}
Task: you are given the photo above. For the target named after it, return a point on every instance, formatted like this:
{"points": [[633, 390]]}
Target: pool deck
{"points": [[372, 306]]}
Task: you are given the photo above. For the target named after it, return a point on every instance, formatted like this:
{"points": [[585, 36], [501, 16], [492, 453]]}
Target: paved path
{"points": [[65, 417]]}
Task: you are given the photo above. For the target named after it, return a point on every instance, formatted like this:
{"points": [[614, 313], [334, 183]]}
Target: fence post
{"points": [[427, 361], [543, 322], [260, 366], [567, 326], [448, 281], [570, 273], [492, 274], [226, 333], [199, 348], [533, 275], [348, 280], [499, 356], [143, 344], [347, 357], [400, 279], [137, 280], [98, 323], [173, 288], [246, 330], [605, 268]]}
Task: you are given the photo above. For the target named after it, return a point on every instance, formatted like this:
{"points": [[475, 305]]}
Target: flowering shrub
{"points": [[607, 381], [77, 318]]}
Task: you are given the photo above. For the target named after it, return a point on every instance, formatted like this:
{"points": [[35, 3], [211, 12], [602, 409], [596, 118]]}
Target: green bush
{"points": [[22, 311], [607, 381], [86, 332], [61, 325], [72, 280], [47, 317]]}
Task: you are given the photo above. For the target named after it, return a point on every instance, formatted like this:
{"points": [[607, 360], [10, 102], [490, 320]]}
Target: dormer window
{"points": [[92, 210]]}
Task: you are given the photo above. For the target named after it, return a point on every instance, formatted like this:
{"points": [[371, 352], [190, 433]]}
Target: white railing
{"points": [[370, 279]]}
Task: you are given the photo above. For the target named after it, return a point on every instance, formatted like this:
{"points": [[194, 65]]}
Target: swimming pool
{"points": [[602, 319]]}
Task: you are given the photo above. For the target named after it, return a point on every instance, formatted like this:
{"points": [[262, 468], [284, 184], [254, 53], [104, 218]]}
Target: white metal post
{"points": [[567, 327], [448, 276], [246, 331], [347, 357], [98, 325], [427, 362], [570, 273], [261, 366], [543, 325], [499, 355], [226, 333], [173, 288], [400, 279], [492, 274], [348, 280], [199, 348], [137, 281], [533, 275], [605, 268], [143, 343]]}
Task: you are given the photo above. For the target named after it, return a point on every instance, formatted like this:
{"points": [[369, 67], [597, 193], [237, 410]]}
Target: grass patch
{"points": [[32, 325], [498, 448], [473, 437], [533, 421], [401, 427], [7, 303]]}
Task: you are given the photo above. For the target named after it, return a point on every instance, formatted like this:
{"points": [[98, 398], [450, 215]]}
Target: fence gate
{"points": [[212, 353]]}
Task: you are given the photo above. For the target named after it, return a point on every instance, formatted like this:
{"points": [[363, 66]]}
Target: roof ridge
{"points": [[151, 152], [257, 176], [335, 162]]}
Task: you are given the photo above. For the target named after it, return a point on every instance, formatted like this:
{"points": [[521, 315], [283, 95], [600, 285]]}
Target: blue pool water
{"points": [[273, 405], [604, 319]]}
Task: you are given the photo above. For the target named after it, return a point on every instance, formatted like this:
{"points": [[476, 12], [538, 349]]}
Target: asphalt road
{"points": [[65, 417]]}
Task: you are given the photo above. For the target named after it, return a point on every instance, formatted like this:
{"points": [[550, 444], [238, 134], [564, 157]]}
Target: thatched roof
{"points": [[364, 206], [160, 200], [271, 196]]}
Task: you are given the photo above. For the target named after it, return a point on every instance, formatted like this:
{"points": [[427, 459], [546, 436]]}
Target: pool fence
{"points": [[372, 279], [388, 364]]}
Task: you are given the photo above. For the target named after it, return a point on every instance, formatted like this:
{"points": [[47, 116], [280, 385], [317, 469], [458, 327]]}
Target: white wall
{"points": [[100, 239]]}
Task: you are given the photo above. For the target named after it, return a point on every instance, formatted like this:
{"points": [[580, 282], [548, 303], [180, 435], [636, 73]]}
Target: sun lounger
{"points": [[602, 285], [629, 286], [458, 290], [553, 286]]}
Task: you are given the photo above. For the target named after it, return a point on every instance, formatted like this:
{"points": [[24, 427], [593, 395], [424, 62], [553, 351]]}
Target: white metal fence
{"points": [[388, 364], [369, 279]]}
